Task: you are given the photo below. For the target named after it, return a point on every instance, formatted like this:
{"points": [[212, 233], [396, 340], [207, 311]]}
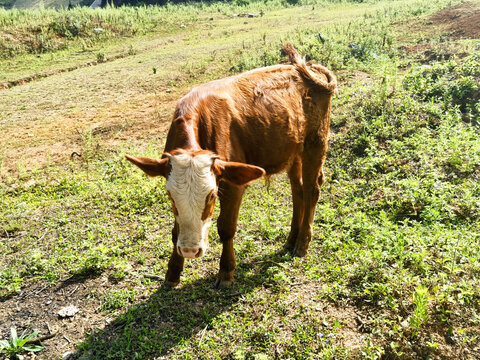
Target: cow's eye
{"points": [[211, 196]]}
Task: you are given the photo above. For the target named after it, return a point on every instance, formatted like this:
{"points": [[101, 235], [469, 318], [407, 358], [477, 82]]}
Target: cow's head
{"points": [[192, 185]]}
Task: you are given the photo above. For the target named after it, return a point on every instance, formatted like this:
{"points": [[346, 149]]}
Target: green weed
{"points": [[16, 345], [117, 299], [452, 84], [420, 301]]}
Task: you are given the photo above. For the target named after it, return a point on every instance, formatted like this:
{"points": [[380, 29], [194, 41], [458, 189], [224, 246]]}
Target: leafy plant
{"points": [[10, 282], [420, 300], [101, 57], [16, 345], [117, 299], [455, 82]]}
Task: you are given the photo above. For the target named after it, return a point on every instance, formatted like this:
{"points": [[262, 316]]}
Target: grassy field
{"points": [[42, 4], [393, 271]]}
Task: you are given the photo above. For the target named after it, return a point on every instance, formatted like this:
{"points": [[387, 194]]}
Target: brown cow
{"points": [[229, 132]]}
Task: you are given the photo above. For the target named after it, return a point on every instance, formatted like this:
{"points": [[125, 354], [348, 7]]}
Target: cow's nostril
{"points": [[191, 253]]}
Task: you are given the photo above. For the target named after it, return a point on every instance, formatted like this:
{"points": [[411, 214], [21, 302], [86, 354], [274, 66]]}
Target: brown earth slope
{"points": [[461, 21]]}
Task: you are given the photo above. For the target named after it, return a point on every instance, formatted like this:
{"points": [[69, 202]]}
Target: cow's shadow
{"points": [[172, 316]]}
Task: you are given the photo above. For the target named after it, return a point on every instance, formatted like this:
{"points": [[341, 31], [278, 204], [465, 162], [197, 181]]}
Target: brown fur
{"points": [[174, 208], [209, 206], [276, 118]]}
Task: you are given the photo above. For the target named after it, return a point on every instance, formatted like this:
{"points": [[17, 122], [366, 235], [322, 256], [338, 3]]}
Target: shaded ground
{"points": [[38, 306]]}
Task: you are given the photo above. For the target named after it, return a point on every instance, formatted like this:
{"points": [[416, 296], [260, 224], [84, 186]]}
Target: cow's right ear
{"points": [[151, 167]]}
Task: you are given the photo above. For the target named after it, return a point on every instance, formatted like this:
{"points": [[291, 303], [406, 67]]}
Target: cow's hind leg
{"points": [[230, 200], [295, 176], [176, 262], [313, 158]]}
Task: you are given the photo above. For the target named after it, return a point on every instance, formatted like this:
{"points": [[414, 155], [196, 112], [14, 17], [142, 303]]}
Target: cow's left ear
{"points": [[151, 166], [237, 173]]}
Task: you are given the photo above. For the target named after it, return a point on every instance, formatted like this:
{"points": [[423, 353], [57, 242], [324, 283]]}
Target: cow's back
{"points": [[257, 117]]}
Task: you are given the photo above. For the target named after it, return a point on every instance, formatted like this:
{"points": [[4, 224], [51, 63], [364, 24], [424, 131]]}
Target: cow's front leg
{"points": [[227, 265], [230, 200], [175, 264]]}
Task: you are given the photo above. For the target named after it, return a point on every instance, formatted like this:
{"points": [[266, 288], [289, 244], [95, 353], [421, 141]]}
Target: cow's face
{"points": [[192, 189], [192, 184]]}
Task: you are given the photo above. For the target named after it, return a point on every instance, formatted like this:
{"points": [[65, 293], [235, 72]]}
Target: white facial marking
{"points": [[189, 183]]}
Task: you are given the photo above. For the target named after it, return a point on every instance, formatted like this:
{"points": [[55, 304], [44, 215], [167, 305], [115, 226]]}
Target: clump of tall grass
{"points": [[361, 44], [38, 31], [46, 30]]}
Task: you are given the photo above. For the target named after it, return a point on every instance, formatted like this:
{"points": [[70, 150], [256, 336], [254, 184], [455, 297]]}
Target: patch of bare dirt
{"points": [[344, 76], [461, 21], [37, 307]]}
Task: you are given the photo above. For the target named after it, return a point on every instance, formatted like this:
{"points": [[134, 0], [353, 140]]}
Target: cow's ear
{"points": [[152, 167], [237, 173]]}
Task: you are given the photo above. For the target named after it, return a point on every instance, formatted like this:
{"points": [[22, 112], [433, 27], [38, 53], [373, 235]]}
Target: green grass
{"points": [[17, 345], [81, 29], [42, 4], [393, 269]]}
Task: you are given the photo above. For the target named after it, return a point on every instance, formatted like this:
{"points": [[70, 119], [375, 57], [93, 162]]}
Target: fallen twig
{"points": [[39, 291], [41, 237], [153, 277], [233, 295], [203, 334], [74, 290], [41, 338]]}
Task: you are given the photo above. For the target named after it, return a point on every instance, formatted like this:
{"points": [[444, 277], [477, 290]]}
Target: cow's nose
{"points": [[191, 253]]}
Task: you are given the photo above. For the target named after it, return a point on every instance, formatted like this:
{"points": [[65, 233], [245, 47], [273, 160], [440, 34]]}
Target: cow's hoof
{"points": [[299, 252], [170, 284], [287, 248], [223, 284]]}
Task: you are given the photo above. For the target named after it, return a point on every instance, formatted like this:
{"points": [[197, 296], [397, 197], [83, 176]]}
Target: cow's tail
{"points": [[311, 72]]}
